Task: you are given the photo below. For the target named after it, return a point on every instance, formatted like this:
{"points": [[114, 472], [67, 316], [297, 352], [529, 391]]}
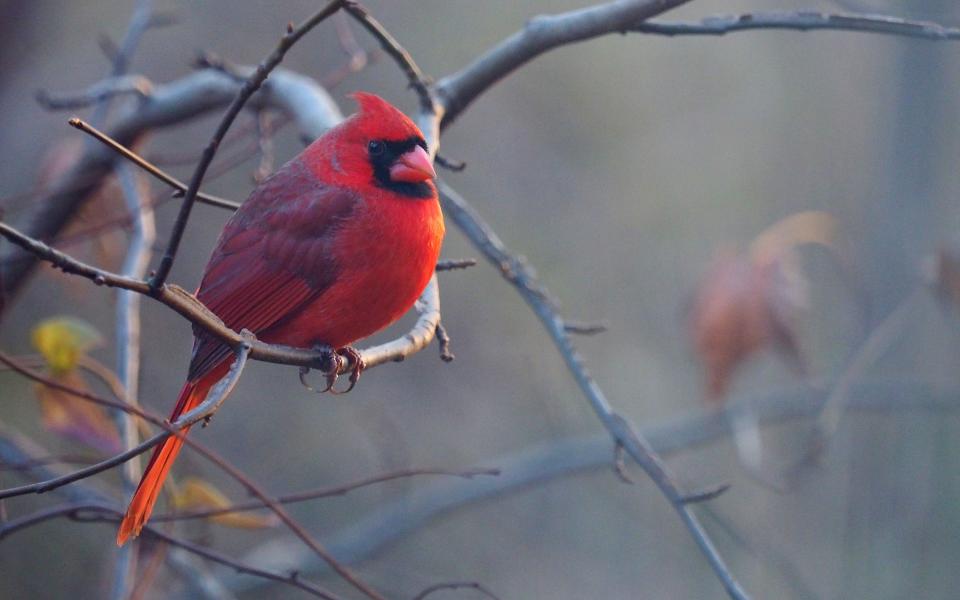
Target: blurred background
{"points": [[620, 168]]}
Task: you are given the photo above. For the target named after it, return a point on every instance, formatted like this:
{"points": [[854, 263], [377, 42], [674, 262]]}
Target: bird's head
{"points": [[378, 146]]}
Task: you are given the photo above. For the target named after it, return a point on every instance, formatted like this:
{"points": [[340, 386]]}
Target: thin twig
{"points": [[455, 265], [251, 85], [146, 165], [443, 339], [802, 21], [585, 328], [328, 492], [415, 77], [431, 110], [457, 585]]}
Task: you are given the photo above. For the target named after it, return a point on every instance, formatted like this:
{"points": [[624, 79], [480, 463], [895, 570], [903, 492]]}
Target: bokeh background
{"points": [[618, 167]]}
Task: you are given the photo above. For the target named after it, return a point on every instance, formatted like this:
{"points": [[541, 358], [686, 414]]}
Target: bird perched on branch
{"points": [[335, 246]]}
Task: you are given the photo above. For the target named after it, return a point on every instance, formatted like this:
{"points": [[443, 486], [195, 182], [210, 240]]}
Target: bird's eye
{"points": [[376, 147]]}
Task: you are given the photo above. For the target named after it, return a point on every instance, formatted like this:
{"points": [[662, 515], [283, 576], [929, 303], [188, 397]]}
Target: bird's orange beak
{"points": [[413, 166]]}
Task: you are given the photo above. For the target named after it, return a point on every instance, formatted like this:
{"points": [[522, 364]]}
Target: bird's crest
{"points": [[376, 114]]}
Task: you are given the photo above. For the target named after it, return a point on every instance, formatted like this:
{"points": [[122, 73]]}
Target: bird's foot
{"points": [[354, 360], [333, 363]]}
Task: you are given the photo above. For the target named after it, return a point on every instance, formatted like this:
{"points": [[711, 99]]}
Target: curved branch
{"points": [[541, 33], [184, 303]]}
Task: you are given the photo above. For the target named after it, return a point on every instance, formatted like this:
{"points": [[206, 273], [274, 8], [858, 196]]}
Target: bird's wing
{"points": [[273, 257]]}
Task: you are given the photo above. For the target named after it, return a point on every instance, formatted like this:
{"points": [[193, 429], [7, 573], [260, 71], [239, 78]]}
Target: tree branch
{"points": [[802, 21], [181, 301], [327, 492], [541, 33], [521, 276], [146, 165]]}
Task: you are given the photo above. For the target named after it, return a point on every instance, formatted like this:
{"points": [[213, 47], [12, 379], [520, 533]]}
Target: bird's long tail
{"points": [[141, 505]]}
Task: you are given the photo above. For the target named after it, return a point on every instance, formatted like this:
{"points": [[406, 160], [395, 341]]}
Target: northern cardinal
{"points": [[336, 245]]}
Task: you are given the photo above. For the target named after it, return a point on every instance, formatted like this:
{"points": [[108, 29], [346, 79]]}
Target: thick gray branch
{"points": [[541, 34]]}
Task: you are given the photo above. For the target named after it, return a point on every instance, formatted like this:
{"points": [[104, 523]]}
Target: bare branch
{"points": [[541, 33], [146, 165], [522, 277], [802, 21], [328, 492], [415, 77], [251, 85], [123, 85], [181, 301]]}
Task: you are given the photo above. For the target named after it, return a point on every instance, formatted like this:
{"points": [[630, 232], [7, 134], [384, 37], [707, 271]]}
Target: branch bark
{"points": [[802, 21]]}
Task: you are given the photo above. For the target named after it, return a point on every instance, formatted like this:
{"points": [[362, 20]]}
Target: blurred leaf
{"points": [[787, 234], [62, 340], [197, 494], [750, 301], [75, 418], [946, 275]]}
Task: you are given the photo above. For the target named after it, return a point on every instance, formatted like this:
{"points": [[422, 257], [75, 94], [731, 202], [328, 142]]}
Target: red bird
{"points": [[336, 245]]}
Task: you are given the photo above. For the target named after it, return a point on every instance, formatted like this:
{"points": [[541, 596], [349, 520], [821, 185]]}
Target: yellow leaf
{"points": [[197, 494], [799, 229], [62, 340], [75, 418]]}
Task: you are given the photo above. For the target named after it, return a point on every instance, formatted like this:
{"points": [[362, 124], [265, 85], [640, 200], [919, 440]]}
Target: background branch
{"points": [[548, 461], [516, 271], [802, 21]]}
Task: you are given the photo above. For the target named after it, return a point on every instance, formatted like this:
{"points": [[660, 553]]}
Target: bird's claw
{"points": [[336, 358], [355, 360]]}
